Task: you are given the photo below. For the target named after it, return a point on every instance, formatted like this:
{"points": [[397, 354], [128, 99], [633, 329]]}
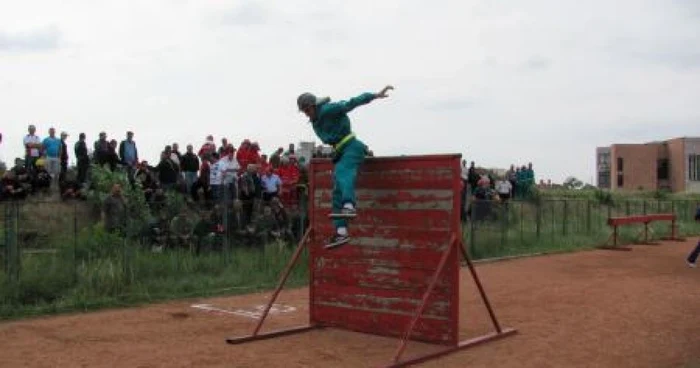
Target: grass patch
{"points": [[91, 269]]}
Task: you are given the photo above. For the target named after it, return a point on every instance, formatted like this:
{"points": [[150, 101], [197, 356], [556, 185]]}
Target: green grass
{"points": [[98, 270], [120, 275]]}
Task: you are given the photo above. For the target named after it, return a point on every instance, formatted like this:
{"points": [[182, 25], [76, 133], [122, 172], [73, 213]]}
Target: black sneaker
{"points": [[336, 241], [344, 213]]}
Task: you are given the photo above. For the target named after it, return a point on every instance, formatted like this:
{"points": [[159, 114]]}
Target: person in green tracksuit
{"points": [[332, 126]]}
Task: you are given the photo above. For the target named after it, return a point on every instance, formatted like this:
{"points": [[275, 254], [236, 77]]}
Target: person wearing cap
{"points": [[33, 147], [331, 124]]}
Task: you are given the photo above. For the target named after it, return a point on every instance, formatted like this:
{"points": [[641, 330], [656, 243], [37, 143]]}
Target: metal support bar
{"points": [[424, 302], [461, 346], [485, 299], [271, 334], [280, 285]]}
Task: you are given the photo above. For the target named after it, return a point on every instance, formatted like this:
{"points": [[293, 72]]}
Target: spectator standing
{"points": [[207, 148], [52, 151], [216, 178], [228, 165], [222, 149], [473, 178], [249, 194], [168, 172], [114, 208], [83, 160], [504, 189], [175, 155], [33, 147], [190, 166], [101, 150], [129, 155], [465, 187], [276, 157], [203, 180], [64, 158], [511, 176]]}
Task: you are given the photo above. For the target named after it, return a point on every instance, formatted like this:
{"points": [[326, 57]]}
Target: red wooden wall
{"points": [[408, 208]]}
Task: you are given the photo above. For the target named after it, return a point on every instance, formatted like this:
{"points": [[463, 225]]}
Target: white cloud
{"points": [[41, 39], [504, 82]]}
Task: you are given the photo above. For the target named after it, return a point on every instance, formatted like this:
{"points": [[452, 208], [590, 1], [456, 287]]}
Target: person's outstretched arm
{"points": [[363, 99]]}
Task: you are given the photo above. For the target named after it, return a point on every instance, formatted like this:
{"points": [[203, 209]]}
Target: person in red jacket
{"points": [[243, 154]]}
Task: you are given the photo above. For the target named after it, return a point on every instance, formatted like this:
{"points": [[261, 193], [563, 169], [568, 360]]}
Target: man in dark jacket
{"points": [[63, 158], [190, 166], [81, 155]]}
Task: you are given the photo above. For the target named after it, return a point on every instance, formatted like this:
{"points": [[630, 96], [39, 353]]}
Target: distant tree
{"points": [[572, 183]]}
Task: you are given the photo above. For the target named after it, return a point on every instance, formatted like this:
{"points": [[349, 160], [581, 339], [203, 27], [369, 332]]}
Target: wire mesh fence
{"points": [[62, 255]]}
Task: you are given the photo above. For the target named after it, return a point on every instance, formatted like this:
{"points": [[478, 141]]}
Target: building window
{"points": [[694, 167], [620, 161], [620, 180], [662, 169]]}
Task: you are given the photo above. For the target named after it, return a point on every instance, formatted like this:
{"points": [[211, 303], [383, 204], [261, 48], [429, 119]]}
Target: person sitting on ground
{"points": [[11, 187], [41, 179], [70, 187]]}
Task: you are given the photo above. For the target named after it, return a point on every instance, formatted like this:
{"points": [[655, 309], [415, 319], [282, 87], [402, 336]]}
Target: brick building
{"points": [[673, 165]]}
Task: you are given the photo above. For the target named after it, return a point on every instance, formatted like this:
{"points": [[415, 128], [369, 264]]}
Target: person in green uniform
{"points": [[331, 124]]}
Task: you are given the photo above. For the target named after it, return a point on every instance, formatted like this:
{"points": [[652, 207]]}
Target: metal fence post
{"points": [[538, 218], [75, 243], [588, 215], [14, 260], [565, 217]]}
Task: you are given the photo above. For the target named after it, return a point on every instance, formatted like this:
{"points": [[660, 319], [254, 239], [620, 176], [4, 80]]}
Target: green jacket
{"points": [[332, 123]]}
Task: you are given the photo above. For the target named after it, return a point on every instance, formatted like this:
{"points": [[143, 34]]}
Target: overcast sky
{"points": [[499, 81]]}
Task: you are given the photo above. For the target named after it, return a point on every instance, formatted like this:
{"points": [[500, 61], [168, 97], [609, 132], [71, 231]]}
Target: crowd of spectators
{"points": [[262, 191], [480, 188]]}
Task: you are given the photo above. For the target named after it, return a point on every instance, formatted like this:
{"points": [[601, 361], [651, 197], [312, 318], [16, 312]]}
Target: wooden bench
{"points": [[616, 222]]}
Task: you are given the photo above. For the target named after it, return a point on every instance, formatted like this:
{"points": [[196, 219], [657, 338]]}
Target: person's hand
{"points": [[382, 93]]}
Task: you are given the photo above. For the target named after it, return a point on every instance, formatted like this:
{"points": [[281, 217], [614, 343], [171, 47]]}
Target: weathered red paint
{"points": [[400, 275], [640, 219], [374, 284], [615, 222]]}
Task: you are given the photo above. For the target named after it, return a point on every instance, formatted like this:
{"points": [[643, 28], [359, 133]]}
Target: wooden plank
{"points": [[403, 257], [392, 199], [383, 163], [413, 219], [370, 276], [393, 238], [389, 301], [434, 178], [640, 219], [383, 324]]}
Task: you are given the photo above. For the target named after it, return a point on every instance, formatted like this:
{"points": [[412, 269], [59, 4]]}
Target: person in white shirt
{"points": [[33, 146], [504, 189], [271, 185], [228, 168], [215, 178]]}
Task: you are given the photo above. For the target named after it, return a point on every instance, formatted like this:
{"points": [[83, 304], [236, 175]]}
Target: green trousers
{"points": [[345, 176]]}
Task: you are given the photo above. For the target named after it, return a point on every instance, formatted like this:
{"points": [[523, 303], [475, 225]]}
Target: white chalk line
{"points": [[256, 312]]}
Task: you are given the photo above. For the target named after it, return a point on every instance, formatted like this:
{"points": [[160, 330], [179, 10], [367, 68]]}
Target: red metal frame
{"points": [[446, 269], [616, 222]]}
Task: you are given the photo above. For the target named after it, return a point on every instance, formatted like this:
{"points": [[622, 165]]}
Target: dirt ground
{"points": [[589, 309]]}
